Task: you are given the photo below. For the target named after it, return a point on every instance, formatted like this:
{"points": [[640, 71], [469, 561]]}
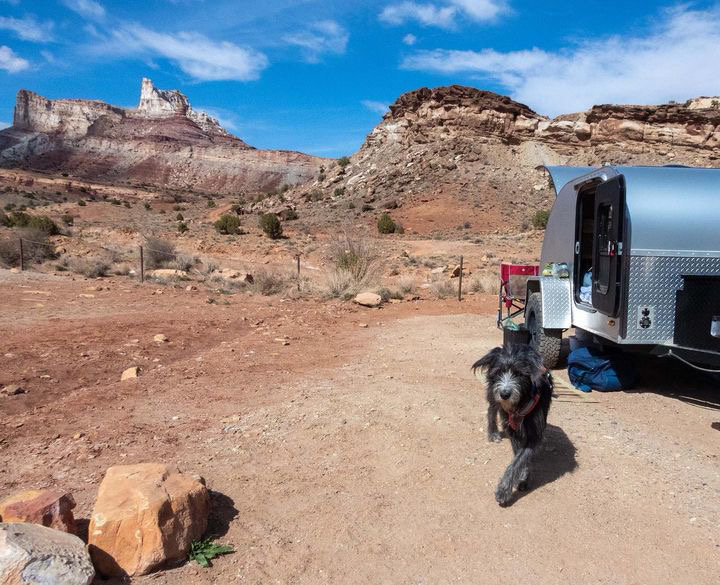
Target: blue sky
{"points": [[315, 76]]}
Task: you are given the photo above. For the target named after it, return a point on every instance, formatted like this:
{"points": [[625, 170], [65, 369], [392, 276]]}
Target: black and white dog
{"points": [[519, 389]]}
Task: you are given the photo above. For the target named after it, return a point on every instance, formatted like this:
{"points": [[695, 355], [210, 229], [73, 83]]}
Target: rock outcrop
{"points": [[46, 507], [486, 153], [163, 143], [31, 554], [145, 516]]}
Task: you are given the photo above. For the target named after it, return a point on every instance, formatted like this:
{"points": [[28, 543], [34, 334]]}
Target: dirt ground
{"points": [[352, 454]]}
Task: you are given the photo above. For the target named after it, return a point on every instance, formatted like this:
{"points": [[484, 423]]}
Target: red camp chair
{"points": [[513, 289]]}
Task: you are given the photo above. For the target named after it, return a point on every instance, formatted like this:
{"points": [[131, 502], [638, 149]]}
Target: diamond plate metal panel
{"points": [[652, 284], [556, 300]]}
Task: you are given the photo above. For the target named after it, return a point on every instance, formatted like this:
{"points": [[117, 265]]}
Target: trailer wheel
{"points": [[546, 342]]}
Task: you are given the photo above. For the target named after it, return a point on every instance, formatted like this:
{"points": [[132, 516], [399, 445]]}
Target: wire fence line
{"points": [[140, 258]]}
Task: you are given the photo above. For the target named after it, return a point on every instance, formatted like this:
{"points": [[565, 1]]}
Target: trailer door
{"points": [[608, 245]]}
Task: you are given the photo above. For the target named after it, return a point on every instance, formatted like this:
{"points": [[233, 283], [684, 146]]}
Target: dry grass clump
{"points": [[184, 262], [158, 253], [485, 283], [356, 265], [443, 289], [407, 285]]}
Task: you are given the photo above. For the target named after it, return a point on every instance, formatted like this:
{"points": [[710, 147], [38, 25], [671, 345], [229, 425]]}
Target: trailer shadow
{"points": [[554, 459], [670, 378]]}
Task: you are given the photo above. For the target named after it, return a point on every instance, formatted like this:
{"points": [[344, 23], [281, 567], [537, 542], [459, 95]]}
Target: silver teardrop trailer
{"points": [[642, 250]]}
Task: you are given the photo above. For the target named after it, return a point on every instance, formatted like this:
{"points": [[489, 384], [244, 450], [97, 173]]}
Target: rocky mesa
{"points": [[163, 143], [482, 154]]}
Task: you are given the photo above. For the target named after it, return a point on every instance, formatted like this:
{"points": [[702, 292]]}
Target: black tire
{"points": [[547, 342]]}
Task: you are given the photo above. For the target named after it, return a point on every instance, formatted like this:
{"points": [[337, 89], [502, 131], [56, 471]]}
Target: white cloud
{"points": [[201, 58], [86, 8], [28, 28], [323, 36], [409, 39], [11, 62], [443, 15], [677, 59], [377, 107]]}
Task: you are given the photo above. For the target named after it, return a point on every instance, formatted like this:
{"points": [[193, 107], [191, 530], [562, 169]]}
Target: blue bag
{"points": [[590, 369]]}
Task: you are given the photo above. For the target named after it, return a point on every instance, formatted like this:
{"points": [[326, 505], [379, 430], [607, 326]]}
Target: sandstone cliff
{"points": [[162, 143], [481, 154]]}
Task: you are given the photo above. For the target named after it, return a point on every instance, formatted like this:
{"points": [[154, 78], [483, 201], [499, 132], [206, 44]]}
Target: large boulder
{"points": [[145, 516], [31, 554], [47, 507]]}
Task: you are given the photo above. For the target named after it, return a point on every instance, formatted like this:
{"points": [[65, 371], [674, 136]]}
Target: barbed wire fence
{"points": [[163, 256]]}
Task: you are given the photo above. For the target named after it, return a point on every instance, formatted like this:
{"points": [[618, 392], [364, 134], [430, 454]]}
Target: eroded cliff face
{"points": [[164, 142], [476, 150]]}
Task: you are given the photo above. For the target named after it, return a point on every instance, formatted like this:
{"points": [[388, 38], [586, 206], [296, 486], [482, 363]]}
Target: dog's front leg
{"points": [[492, 427], [515, 473]]}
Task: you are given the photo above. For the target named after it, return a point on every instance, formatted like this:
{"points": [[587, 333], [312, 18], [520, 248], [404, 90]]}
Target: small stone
{"points": [[12, 390], [86, 296], [363, 325], [190, 287], [130, 373], [368, 299], [160, 338]]}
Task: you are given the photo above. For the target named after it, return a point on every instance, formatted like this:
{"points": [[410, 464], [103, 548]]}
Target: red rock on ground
{"points": [[49, 508]]}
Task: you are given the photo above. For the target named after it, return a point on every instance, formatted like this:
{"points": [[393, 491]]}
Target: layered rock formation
{"points": [[486, 152], [162, 143]]}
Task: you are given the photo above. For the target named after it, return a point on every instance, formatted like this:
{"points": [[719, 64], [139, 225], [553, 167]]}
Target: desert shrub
{"points": [[116, 201], [82, 203], [208, 267], [90, 267], [339, 191], [9, 206], [355, 265], [210, 203], [270, 282], [351, 205], [443, 289], [158, 252], [184, 262], [5, 220], [385, 224], [485, 283], [68, 219], [127, 204], [291, 215], [180, 217], [36, 247], [343, 162], [399, 229], [177, 207], [147, 206], [228, 224], [386, 294], [182, 227], [407, 285], [40, 223], [270, 224], [540, 219], [316, 195]]}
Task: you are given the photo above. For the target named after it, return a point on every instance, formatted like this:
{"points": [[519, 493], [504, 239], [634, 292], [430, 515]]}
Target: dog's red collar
{"points": [[516, 417]]}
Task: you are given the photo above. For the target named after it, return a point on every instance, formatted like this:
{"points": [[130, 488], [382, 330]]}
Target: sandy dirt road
{"points": [[359, 455]]}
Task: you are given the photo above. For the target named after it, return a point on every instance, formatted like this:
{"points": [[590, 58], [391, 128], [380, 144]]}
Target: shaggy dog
{"points": [[519, 388]]}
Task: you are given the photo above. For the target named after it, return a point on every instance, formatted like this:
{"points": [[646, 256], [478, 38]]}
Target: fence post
{"points": [[22, 255], [142, 265], [460, 281], [298, 271]]}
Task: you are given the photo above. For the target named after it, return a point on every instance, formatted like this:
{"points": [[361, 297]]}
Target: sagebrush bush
{"points": [[540, 219], [210, 203], [82, 203], [485, 283], [270, 282], [184, 263], [228, 224], [36, 247], [443, 289], [90, 267], [270, 224], [179, 217], [43, 223], [182, 227], [356, 264], [68, 219], [343, 162], [158, 252], [385, 224]]}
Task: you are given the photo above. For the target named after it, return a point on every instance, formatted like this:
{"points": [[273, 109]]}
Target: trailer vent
{"points": [[697, 305]]}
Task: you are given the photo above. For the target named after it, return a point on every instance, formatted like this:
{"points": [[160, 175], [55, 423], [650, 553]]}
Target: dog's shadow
{"points": [[555, 458]]}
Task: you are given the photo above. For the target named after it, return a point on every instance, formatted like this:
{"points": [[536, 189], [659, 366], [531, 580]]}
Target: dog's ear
{"points": [[487, 360]]}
